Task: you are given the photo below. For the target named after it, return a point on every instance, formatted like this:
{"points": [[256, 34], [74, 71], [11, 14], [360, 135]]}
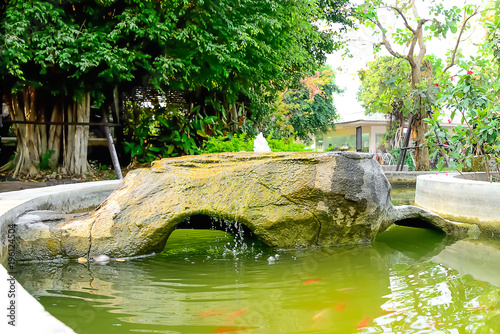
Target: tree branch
{"points": [[400, 12], [386, 42], [420, 38], [462, 29], [417, 37]]}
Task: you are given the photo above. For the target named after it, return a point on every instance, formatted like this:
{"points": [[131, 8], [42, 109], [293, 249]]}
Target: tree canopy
{"points": [[223, 53], [409, 42]]}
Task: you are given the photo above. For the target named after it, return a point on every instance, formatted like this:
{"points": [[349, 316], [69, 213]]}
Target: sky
{"points": [[360, 46]]}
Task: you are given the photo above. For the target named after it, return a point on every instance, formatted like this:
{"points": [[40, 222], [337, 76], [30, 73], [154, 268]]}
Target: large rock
{"points": [[287, 200]]}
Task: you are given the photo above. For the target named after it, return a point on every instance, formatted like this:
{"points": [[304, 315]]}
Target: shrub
{"points": [[242, 142]]}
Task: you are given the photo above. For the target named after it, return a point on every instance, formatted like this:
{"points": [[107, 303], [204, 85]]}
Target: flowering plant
{"points": [[474, 97]]}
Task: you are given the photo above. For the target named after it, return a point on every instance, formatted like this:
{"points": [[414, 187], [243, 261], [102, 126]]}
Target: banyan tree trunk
{"points": [[35, 140], [30, 142], [77, 136]]}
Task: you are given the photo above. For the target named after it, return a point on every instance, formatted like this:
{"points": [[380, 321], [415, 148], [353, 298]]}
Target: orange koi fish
{"points": [[227, 329], [340, 307], [363, 323], [481, 308], [239, 312], [309, 281], [321, 313], [210, 313]]}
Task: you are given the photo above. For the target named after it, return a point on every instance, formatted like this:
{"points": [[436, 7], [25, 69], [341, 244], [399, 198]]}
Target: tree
{"points": [[296, 112], [414, 35], [384, 88], [473, 94], [229, 53], [58, 59], [310, 109]]}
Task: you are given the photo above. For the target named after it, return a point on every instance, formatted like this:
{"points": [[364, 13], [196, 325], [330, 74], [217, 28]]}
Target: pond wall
{"points": [[63, 198], [30, 316], [463, 200]]}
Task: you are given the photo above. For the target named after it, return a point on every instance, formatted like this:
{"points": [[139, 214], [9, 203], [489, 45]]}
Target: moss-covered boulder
{"points": [[287, 200]]}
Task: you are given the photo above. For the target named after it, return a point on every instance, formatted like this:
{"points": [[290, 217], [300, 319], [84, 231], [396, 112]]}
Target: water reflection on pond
{"points": [[409, 281], [403, 194]]}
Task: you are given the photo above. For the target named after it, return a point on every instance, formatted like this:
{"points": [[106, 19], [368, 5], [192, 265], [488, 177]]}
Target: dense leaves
{"points": [[411, 35], [310, 108], [475, 143], [385, 84], [225, 54]]}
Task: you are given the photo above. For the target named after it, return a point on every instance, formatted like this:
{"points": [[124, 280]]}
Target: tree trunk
{"points": [[77, 136], [35, 140], [419, 128], [54, 143], [28, 155]]}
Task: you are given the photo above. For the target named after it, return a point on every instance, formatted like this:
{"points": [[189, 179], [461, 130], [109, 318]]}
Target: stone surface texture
{"points": [[287, 200]]}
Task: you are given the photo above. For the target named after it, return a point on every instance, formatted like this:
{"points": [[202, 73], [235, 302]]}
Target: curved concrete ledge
{"points": [[63, 198], [455, 198], [31, 316]]}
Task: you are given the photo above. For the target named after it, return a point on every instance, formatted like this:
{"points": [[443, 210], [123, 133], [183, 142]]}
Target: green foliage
{"points": [[226, 45], [297, 112], [411, 37], [228, 143], [396, 152], [71, 47], [243, 142], [285, 145], [165, 133], [491, 20], [310, 108], [478, 137], [45, 161], [385, 85], [221, 52]]}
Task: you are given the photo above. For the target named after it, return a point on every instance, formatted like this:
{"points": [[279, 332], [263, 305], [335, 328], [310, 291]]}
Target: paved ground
{"points": [[20, 185]]}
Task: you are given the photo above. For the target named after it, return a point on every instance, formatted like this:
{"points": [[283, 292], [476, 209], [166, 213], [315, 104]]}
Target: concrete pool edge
{"points": [[397, 178], [31, 315], [455, 198]]}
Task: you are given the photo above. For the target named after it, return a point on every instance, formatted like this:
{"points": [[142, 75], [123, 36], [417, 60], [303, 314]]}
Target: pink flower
{"points": [[451, 78], [469, 72], [449, 121], [436, 84], [477, 117]]}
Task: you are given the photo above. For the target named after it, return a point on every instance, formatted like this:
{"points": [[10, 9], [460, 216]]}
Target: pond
{"points": [[209, 281], [403, 194]]}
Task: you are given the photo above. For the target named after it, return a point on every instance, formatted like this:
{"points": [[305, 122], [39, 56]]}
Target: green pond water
{"points": [[403, 194], [408, 281]]}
